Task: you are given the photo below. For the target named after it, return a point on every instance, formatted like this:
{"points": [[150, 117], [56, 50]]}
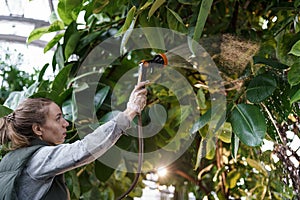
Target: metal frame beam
{"points": [[22, 40], [37, 23]]}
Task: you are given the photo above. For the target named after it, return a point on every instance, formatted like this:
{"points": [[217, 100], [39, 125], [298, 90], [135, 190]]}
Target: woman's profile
{"points": [[36, 131]]}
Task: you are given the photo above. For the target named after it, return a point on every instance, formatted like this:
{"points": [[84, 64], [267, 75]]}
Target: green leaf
{"points": [[249, 124], [206, 149], [225, 133], [103, 172], [270, 62], [155, 6], [53, 42], [88, 40], [73, 183], [295, 49], [294, 74], [175, 15], [4, 111], [235, 142], [100, 97], [56, 26], [174, 21], [63, 96], [201, 122], [146, 5], [71, 44], [42, 72], [68, 10], [60, 81], [126, 37], [202, 16], [295, 97], [59, 57], [260, 88], [296, 3], [201, 99], [129, 18], [37, 34], [232, 178]]}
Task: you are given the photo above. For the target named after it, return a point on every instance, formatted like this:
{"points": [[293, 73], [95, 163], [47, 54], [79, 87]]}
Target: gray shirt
{"points": [[50, 161]]}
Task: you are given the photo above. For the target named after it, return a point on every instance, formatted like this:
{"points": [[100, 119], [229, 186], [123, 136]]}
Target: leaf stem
{"points": [[273, 121]]}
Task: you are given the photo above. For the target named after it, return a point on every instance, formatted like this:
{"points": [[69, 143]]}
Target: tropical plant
{"points": [[255, 46]]}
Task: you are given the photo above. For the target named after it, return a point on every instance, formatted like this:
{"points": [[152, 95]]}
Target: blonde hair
{"points": [[16, 128]]}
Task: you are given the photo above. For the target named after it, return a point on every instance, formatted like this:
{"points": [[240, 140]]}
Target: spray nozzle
{"points": [[158, 61]]}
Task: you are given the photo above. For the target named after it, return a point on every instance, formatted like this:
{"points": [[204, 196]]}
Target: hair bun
{"points": [[10, 117]]}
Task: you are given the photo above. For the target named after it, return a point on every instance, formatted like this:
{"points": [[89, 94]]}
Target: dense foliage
{"points": [[255, 45]]}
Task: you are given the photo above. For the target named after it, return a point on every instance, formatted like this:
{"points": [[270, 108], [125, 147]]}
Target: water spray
{"points": [[158, 61]]}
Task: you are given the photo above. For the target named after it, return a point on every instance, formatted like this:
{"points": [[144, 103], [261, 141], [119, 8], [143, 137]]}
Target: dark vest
{"points": [[11, 167]]}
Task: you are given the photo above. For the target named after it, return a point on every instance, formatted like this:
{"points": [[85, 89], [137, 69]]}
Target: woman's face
{"points": [[55, 128]]}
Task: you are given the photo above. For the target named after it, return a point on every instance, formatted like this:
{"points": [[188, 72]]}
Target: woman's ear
{"points": [[37, 129]]}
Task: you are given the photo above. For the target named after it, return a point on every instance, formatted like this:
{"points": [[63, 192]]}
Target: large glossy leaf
{"points": [[73, 183], [71, 44], [296, 49], [270, 62], [285, 40], [295, 97], [294, 74], [248, 123], [103, 172], [60, 81], [260, 88], [100, 97]]}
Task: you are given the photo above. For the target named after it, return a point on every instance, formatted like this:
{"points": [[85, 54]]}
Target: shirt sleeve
{"points": [[50, 161]]}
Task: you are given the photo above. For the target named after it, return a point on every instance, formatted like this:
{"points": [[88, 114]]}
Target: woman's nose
{"points": [[66, 123]]}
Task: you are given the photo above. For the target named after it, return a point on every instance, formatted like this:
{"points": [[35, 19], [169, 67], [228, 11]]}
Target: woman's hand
{"points": [[137, 100]]}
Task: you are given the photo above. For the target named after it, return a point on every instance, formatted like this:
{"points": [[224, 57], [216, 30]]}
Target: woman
{"points": [[39, 124]]}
